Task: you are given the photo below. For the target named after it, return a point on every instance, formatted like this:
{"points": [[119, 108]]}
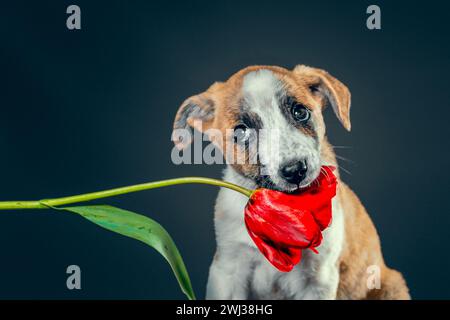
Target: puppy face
{"points": [[270, 122]]}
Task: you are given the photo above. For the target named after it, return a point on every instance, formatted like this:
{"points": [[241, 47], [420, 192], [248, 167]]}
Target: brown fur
{"points": [[362, 249], [361, 245]]}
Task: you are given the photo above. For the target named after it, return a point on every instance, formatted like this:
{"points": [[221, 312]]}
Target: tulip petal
{"points": [[283, 258], [281, 225]]}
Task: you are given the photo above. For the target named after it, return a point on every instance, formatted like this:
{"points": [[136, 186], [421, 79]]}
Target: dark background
{"points": [[92, 109]]}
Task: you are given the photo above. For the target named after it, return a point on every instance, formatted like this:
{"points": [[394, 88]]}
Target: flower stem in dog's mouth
{"points": [[46, 203]]}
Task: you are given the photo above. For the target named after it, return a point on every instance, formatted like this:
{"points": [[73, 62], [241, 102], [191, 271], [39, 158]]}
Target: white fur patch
{"points": [[261, 84], [280, 142]]}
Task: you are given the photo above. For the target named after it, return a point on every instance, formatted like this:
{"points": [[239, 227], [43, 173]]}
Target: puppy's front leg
{"points": [[228, 278]]}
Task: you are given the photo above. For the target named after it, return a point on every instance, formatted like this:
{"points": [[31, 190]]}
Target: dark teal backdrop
{"points": [[93, 109]]}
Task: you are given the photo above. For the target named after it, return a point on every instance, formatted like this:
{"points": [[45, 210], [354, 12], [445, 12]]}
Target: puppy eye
{"points": [[241, 134], [300, 113]]}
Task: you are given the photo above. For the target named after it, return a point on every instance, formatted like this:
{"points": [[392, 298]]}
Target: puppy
{"points": [[290, 103]]}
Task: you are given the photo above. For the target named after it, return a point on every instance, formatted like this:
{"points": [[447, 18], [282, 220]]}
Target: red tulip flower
{"points": [[282, 225]]}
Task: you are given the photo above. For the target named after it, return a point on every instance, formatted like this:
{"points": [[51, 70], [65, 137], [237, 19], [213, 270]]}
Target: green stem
{"points": [[43, 204]]}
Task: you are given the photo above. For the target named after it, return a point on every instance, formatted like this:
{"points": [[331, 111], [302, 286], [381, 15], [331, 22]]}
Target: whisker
{"points": [[325, 174], [317, 181], [345, 170], [345, 159]]}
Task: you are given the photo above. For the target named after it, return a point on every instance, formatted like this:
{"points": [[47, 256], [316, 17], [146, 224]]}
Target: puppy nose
{"points": [[294, 172]]}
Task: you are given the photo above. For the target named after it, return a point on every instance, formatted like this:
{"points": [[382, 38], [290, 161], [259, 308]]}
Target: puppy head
{"points": [[268, 122]]}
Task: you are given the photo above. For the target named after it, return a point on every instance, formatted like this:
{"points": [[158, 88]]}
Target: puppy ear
{"points": [[196, 112], [334, 91]]}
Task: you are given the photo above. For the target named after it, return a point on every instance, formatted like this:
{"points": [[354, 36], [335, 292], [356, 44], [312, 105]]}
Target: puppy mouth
{"points": [[267, 183]]}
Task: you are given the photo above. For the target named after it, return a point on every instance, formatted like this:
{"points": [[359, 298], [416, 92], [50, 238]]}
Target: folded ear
{"points": [[196, 112], [334, 91]]}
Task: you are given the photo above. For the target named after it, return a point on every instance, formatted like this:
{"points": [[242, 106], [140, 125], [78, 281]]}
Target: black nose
{"points": [[294, 172]]}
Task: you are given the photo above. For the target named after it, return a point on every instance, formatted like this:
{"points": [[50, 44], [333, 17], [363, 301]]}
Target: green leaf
{"points": [[142, 228]]}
